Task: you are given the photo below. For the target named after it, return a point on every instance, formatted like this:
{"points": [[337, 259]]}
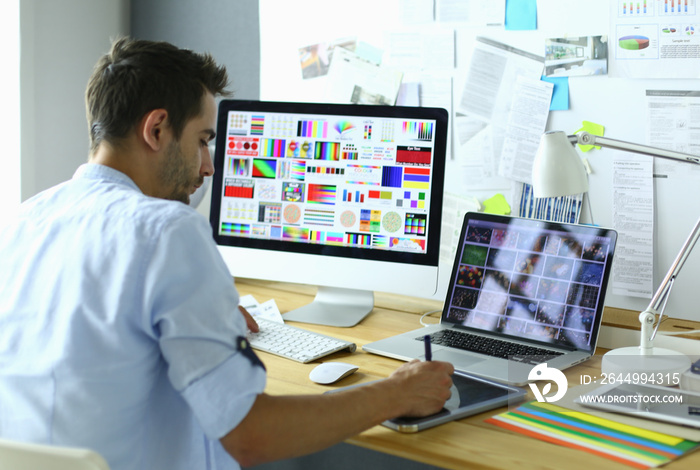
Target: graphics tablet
{"points": [[470, 395]]}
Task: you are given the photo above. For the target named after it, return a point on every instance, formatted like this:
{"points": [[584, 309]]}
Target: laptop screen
{"points": [[527, 278]]}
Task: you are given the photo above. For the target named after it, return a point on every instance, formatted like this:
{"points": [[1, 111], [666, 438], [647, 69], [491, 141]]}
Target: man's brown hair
{"points": [[138, 76]]}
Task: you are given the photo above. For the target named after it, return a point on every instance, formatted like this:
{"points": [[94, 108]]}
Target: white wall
{"points": [[9, 96], [60, 43], [228, 30]]}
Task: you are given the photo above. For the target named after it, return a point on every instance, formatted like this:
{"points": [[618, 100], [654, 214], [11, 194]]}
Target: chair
{"points": [[26, 456]]}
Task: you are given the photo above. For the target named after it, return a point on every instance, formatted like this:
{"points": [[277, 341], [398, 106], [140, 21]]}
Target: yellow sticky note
{"points": [[591, 128], [497, 205]]}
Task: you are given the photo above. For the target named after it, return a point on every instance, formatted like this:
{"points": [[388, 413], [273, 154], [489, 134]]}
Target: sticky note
{"points": [[591, 128], [521, 15], [560, 94], [497, 205]]}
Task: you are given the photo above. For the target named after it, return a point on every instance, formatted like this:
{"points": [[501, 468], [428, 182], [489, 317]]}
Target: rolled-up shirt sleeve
{"points": [[194, 316]]}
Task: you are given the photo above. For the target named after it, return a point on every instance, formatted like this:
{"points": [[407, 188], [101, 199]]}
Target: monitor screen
{"points": [[351, 192]]}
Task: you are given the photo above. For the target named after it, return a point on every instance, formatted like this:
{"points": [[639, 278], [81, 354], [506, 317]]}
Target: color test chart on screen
{"points": [[353, 181]]}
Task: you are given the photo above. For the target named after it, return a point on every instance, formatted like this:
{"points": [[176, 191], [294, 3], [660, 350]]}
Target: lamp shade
{"points": [[557, 169]]}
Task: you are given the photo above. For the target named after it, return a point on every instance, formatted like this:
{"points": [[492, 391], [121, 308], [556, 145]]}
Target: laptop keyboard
{"points": [[492, 347]]}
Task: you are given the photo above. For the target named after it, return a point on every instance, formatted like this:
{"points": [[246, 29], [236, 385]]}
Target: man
{"points": [[119, 328]]}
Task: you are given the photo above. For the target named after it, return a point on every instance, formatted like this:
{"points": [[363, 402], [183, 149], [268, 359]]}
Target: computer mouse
{"points": [[330, 372]]}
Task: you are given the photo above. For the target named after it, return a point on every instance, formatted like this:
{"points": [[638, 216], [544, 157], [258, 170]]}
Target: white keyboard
{"points": [[295, 343]]}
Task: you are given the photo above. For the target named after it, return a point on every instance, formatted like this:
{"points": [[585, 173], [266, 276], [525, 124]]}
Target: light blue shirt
{"points": [[118, 328]]}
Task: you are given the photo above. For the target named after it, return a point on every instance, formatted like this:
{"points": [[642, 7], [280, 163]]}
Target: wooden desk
{"points": [[467, 443]]}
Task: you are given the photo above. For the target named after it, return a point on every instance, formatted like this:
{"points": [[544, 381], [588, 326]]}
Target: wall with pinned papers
{"points": [[506, 72]]}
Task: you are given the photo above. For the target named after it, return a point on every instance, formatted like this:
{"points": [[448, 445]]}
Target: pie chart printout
{"points": [[634, 43]]}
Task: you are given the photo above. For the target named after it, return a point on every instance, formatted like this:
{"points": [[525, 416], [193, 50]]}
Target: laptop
{"points": [[522, 292]]}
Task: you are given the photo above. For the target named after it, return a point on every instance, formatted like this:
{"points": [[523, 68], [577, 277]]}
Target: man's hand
{"points": [[321, 420], [249, 320], [424, 386]]}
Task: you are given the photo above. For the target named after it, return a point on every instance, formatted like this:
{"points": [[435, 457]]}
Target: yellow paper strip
{"points": [[585, 442]]}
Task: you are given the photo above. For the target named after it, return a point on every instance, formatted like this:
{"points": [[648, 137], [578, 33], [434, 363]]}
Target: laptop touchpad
{"points": [[457, 358]]}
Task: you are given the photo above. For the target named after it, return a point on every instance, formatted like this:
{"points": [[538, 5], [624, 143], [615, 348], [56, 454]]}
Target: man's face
{"points": [[187, 161]]}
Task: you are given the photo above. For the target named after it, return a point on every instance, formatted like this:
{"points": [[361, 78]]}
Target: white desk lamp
{"points": [[558, 171]]}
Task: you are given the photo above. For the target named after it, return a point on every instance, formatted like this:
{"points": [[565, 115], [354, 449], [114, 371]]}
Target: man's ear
{"points": [[153, 126]]}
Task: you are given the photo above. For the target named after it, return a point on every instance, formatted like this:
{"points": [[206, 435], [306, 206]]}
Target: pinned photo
{"points": [[316, 58], [576, 56]]}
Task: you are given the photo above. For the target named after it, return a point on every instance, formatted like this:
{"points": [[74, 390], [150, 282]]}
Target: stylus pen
{"points": [[428, 351]]}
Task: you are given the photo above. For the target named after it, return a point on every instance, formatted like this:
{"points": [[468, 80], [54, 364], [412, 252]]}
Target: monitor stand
{"points": [[334, 306]]}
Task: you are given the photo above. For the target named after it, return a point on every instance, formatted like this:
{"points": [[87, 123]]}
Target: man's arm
{"points": [[279, 427]]}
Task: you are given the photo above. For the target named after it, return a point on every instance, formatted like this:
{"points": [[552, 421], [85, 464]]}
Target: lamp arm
{"points": [[658, 302], [554, 140], [585, 138]]}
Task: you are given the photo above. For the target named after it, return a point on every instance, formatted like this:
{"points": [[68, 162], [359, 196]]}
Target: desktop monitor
{"points": [[344, 197]]}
